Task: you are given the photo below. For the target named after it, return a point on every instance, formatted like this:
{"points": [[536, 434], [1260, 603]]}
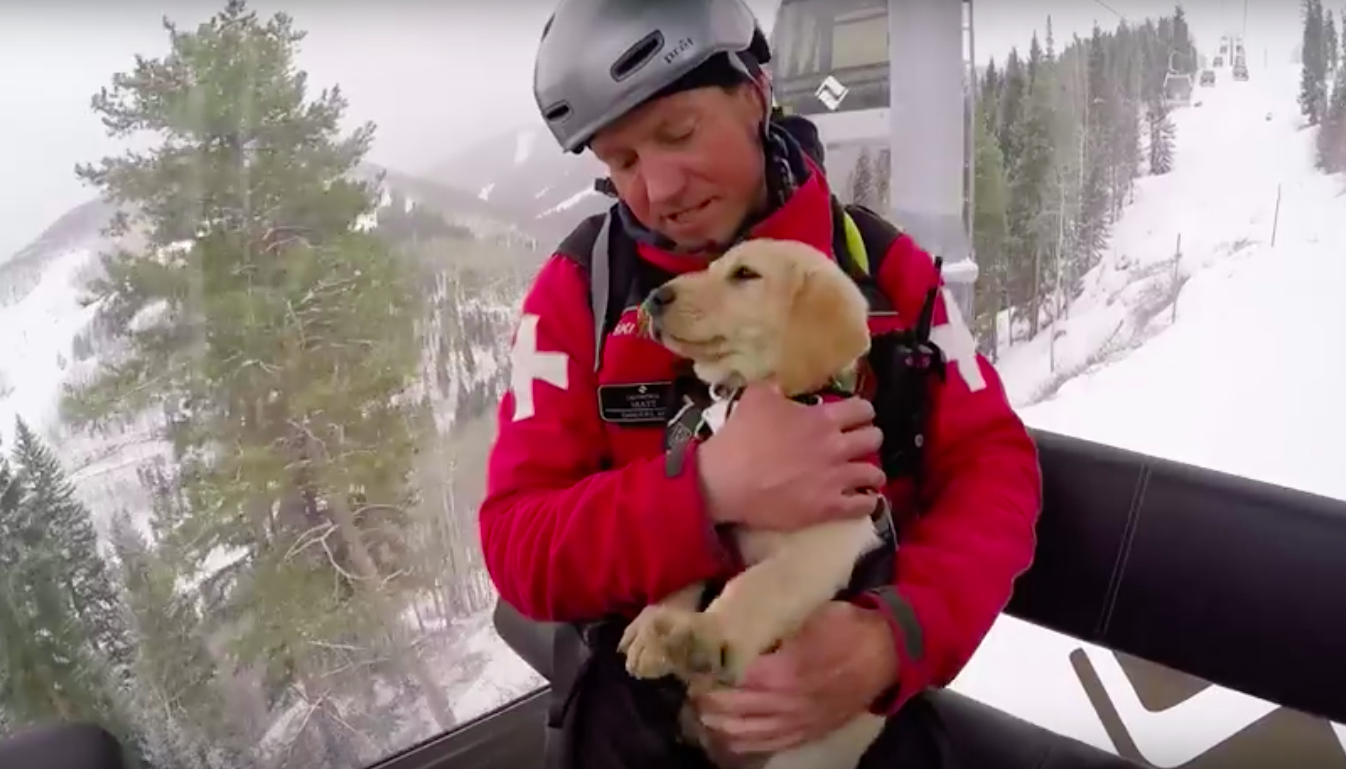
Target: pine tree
{"points": [[53, 663], [883, 180], [1125, 108], [183, 720], [1185, 60], [1313, 71], [1012, 103], [93, 591], [862, 186], [1331, 45], [1035, 60], [1091, 229], [990, 230], [988, 100], [1161, 136], [1331, 139], [1030, 224], [282, 334]]}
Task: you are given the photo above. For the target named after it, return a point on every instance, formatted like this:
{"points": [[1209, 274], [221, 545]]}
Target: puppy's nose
{"points": [[660, 299]]}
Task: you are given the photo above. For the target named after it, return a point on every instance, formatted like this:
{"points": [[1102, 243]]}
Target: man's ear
{"points": [[750, 98]]}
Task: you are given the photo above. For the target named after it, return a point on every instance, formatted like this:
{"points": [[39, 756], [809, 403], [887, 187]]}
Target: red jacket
{"points": [[579, 519]]}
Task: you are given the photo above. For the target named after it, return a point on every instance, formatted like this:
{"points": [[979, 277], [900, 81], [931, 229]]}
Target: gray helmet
{"points": [[599, 59]]}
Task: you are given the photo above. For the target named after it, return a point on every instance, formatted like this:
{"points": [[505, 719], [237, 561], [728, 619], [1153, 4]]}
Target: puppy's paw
{"points": [[691, 645], [645, 642]]}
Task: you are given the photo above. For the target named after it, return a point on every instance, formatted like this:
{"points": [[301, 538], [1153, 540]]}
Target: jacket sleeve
{"points": [[980, 494], [565, 536]]}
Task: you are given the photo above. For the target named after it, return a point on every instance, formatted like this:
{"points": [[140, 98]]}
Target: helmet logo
{"points": [[831, 93], [679, 48]]}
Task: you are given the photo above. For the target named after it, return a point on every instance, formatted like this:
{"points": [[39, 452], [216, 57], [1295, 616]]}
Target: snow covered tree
{"points": [[280, 338], [1091, 228], [180, 710], [883, 180], [1161, 135], [863, 182], [1332, 133]]}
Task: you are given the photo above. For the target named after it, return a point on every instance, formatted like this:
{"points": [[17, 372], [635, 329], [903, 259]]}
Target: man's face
{"points": [[689, 165]]}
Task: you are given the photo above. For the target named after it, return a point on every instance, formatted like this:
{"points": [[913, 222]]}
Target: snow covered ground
{"points": [[1244, 379], [1249, 373], [35, 337]]}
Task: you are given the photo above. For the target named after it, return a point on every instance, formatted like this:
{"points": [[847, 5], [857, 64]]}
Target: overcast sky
{"points": [[435, 76]]}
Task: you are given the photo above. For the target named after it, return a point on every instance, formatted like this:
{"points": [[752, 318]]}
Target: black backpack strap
{"points": [[902, 362], [570, 660], [608, 256], [878, 233], [877, 236]]}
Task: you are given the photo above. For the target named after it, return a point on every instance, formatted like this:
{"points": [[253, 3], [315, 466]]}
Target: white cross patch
{"points": [[529, 365], [960, 349]]}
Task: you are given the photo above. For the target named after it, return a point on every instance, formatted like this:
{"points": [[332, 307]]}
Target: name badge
{"points": [[642, 403]]}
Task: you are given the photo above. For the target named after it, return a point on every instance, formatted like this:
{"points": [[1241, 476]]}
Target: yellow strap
{"points": [[855, 244]]}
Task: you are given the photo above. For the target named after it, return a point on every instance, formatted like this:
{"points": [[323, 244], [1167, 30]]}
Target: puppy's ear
{"points": [[827, 328]]}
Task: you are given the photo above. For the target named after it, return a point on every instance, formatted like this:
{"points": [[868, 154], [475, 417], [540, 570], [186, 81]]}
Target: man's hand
{"points": [[839, 663], [777, 464]]}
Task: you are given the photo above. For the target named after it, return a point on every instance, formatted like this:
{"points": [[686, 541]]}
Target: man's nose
{"points": [[659, 300], [664, 181]]}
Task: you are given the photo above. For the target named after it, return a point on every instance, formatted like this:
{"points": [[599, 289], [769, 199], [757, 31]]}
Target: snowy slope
{"points": [[1244, 381], [1253, 367], [523, 171], [35, 340]]}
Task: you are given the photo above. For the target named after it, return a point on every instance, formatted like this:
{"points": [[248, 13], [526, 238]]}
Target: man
{"points": [[585, 515]]}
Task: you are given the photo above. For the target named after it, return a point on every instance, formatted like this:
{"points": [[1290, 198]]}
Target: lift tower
{"points": [[892, 78], [930, 132]]}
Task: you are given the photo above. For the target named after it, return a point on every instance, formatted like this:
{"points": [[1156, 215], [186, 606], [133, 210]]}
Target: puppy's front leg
{"points": [[652, 642], [769, 601]]}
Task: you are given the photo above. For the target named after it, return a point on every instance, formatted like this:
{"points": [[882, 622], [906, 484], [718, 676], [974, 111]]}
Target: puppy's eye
{"points": [[741, 274]]}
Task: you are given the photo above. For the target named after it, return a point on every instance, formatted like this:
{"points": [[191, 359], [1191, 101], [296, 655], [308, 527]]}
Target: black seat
{"points": [[61, 746], [1240, 583]]}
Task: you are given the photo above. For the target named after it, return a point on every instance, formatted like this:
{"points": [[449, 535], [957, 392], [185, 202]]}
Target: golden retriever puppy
{"points": [[766, 311]]}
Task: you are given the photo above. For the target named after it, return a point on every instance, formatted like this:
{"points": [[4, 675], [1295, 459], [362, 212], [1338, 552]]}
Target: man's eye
{"points": [[742, 274]]}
